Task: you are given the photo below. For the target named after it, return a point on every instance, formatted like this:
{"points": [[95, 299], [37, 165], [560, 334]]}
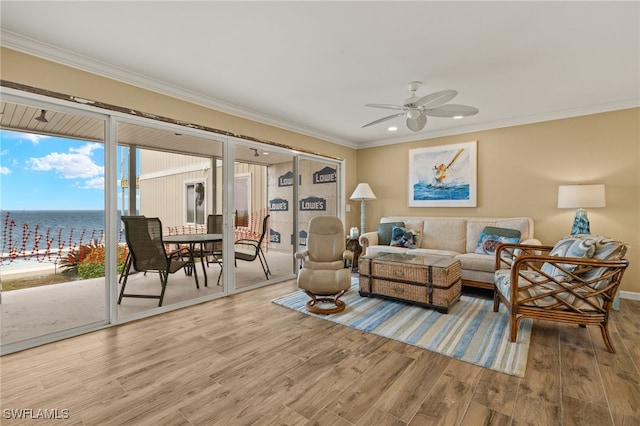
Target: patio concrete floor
{"points": [[38, 311]]}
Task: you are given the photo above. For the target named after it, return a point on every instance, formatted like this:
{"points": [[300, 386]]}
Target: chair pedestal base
{"points": [[311, 305]]}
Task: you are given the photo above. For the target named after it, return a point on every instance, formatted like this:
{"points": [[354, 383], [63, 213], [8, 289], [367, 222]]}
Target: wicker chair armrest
{"points": [[506, 253], [530, 261]]}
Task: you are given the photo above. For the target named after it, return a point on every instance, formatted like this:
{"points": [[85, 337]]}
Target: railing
{"points": [[33, 243], [41, 245]]}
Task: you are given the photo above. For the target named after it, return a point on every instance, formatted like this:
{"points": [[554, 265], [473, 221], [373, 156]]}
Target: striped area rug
{"points": [[470, 332]]}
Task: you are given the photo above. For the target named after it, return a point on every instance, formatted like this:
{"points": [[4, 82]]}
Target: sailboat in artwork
{"points": [[440, 178], [443, 185]]}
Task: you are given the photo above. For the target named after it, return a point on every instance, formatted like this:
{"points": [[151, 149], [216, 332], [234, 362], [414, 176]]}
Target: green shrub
{"points": [[88, 270], [88, 262]]}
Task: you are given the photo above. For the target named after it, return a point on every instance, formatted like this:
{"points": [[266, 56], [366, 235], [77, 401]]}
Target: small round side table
{"points": [[353, 245]]}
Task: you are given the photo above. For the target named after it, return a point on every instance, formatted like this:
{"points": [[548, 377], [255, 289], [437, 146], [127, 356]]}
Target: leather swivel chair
{"points": [[323, 275]]}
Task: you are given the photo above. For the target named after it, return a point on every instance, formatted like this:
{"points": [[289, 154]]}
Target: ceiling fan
{"points": [[416, 109]]}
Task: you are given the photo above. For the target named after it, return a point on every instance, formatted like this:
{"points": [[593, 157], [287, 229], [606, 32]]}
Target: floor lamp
{"points": [[578, 197], [363, 193]]}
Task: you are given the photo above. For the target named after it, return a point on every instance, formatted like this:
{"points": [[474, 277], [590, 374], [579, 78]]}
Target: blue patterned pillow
{"points": [[401, 237], [580, 246], [492, 236], [384, 232]]}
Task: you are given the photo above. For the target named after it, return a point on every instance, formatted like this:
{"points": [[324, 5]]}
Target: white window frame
{"points": [[187, 185], [245, 178]]}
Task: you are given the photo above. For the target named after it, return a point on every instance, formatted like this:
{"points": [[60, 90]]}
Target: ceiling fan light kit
{"points": [[416, 109]]}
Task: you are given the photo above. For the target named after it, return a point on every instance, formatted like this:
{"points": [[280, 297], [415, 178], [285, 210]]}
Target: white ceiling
{"points": [[311, 66]]}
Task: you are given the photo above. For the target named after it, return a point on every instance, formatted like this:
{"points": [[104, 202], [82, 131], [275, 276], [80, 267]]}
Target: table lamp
{"points": [[363, 192], [580, 197]]}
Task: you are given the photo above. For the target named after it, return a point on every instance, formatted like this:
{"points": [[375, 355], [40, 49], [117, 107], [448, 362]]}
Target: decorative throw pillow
{"points": [[491, 236], [401, 237], [384, 232], [580, 246]]}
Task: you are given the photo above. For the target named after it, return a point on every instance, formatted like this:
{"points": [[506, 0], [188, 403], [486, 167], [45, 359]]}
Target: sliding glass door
{"points": [[52, 268], [170, 176], [319, 193], [263, 216]]}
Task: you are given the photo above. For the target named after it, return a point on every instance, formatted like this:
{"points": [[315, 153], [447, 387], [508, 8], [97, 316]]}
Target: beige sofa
{"points": [[453, 236]]}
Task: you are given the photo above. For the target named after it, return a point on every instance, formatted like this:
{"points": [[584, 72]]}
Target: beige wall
{"points": [[519, 170]]}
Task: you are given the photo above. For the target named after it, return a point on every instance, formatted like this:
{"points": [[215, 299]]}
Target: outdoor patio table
{"points": [[192, 240]]}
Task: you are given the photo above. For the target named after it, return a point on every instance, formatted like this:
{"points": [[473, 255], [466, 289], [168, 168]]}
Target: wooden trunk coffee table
{"points": [[431, 281]]}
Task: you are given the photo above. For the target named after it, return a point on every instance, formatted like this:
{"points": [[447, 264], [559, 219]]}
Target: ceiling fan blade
{"points": [[452, 110], [417, 124], [436, 99], [380, 120], [386, 106]]}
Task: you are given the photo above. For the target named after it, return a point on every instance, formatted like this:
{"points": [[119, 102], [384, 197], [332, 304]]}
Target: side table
{"points": [[353, 245]]}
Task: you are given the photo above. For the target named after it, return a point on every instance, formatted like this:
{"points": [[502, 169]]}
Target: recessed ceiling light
{"points": [[457, 117], [392, 128]]}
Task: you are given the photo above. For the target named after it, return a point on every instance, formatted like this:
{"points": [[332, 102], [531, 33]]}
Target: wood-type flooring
{"points": [[243, 360]]}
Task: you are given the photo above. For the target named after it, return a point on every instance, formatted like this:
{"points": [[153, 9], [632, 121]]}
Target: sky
{"points": [[50, 173]]}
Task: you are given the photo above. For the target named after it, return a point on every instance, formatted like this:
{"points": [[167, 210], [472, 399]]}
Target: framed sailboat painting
{"points": [[443, 176]]}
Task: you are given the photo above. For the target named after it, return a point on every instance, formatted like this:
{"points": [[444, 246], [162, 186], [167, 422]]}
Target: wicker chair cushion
{"points": [[580, 246], [605, 249], [540, 293]]}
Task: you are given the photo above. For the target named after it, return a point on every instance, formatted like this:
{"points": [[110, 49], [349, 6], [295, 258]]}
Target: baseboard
{"points": [[631, 295]]}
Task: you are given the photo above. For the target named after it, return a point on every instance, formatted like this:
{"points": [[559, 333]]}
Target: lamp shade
{"points": [[363, 192], [581, 196]]}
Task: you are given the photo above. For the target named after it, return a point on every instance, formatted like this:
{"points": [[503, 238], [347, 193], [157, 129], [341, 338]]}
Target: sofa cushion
{"points": [[491, 236], [384, 232], [403, 237], [444, 234], [477, 262], [425, 252]]}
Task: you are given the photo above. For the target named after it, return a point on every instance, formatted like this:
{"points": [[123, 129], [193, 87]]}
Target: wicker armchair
{"points": [[573, 282]]}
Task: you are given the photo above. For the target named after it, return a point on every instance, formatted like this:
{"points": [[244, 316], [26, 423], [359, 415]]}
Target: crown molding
{"points": [[54, 54]]}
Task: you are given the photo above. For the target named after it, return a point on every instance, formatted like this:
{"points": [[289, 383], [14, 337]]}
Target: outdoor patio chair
{"points": [[254, 250], [323, 273], [213, 251], [573, 282], [214, 226], [148, 254]]}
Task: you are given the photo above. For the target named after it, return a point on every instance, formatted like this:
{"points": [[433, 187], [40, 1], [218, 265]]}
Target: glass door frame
{"points": [[112, 118]]}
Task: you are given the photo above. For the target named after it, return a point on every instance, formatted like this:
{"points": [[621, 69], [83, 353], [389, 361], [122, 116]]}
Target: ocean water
{"points": [[423, 192], [62, 228]]}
